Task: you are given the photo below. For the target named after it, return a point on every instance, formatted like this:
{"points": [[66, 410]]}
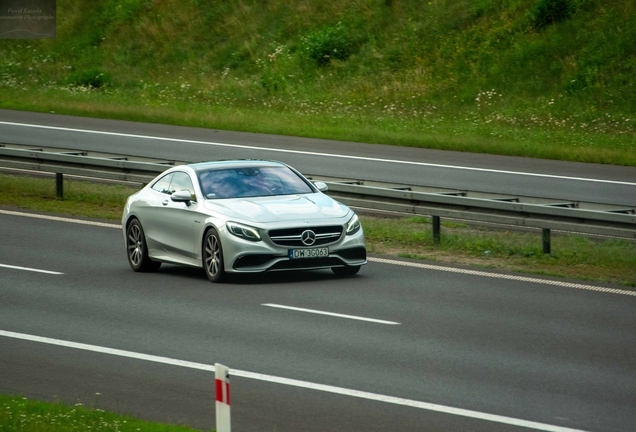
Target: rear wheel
{"points": [[345, 271], [137, 250], [213, 256]]}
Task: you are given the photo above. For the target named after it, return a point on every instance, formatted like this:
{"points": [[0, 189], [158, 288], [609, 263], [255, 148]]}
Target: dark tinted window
{"points": [[251, 182]]}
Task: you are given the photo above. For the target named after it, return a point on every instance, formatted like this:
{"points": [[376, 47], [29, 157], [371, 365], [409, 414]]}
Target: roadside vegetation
{"points": [[537, 78], [19, 414], [573, 256], [610, 261]]}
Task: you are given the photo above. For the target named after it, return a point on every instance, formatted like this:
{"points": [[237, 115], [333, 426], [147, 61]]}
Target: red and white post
{"points": [[222, 375]]}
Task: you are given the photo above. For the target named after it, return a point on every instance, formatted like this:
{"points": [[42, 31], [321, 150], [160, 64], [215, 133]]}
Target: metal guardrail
{"points": [[83, 163], [588, 218], [519, 211]]}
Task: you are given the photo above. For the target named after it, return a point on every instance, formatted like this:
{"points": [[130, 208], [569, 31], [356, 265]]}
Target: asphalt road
{"points": [[522, 350], [507, 351], [453, 170]]}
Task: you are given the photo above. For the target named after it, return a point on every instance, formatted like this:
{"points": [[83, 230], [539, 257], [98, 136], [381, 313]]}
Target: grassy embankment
{"points": [[18, 414], [537, 78], [572, 256]]}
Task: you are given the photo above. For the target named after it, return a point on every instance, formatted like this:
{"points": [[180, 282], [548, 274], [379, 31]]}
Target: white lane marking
{"points": [[60, 219], [30, 269], [330, 314], [246, 147], [296, 383], [384, 261], [501, 276]]}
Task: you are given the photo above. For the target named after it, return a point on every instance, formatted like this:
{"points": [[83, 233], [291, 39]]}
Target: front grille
{"points": [[291, 237]]}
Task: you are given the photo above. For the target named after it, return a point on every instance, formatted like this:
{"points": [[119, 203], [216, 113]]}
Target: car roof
{"points": [[236, 163]]}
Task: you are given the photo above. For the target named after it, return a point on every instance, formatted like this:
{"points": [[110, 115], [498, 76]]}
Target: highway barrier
{"points": [[535, 212]]}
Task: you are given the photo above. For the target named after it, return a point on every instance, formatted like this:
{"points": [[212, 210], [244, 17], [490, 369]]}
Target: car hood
{"points": [[279, 208]]}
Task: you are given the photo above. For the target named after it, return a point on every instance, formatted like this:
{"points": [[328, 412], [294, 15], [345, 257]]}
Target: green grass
{"points": [[611, 261], [19, 414], [81, 198], [488, 76]]}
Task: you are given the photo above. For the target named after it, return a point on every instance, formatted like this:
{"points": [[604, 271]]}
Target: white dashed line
{"points": [[30, 269], [330, 314], [60, 219]]}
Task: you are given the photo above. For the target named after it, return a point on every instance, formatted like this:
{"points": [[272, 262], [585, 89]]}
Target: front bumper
{"points": [[266, 262], [252, 257]]}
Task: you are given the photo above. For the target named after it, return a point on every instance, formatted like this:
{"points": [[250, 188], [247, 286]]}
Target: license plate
{"points": [[308, 253]]}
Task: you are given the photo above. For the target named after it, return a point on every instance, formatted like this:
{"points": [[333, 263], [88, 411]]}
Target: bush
{"points": [[551, 11], [93, 78], [330, 42]]}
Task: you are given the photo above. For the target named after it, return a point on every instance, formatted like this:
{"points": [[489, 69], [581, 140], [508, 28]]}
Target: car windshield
{"points": [[251, 182]]}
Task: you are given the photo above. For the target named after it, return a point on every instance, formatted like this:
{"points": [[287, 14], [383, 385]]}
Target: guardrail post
{"points": [[546, 241], [222, 375], [436, 229], [59, 185]]}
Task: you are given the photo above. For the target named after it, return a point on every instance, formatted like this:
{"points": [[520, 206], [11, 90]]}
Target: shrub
{"points": [[551, 11], [327, 43], [93, 78], [275, 68], [273, 82]]}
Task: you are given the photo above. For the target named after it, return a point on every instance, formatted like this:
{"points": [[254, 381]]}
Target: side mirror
{"points": [[321, 186], [183, 196]]}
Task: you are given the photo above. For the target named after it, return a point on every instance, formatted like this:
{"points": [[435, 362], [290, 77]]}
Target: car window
{"points": [[181, 181], [251, 182], [163, 184]]}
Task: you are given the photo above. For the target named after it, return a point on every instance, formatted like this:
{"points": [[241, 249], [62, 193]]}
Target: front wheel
{"points": [[213, 256], [345, 271], [137, 249]]}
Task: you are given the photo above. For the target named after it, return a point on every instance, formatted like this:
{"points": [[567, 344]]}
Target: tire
{"points": [[345, 271], [213, 256], [137, 249]]}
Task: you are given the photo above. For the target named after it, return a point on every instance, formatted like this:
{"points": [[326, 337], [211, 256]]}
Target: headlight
{"points": [[353, 226], [243, 231]]}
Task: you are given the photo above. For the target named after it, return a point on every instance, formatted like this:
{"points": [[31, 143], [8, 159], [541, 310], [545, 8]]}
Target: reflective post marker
{"points": [[222, 375]]}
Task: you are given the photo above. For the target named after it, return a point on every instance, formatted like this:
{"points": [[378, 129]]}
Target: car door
{"points": [[146, 211], [175, 220]]}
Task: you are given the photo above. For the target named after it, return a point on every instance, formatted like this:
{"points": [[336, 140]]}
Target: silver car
{"points": [[240, 216]]}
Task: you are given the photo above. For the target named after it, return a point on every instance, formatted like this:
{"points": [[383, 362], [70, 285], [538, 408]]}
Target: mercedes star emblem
{"points": [[308, 237]]}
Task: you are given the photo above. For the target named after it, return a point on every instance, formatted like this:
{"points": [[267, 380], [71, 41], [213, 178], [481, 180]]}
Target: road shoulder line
{"points": [[502, 276], [308, 153], [295, 383], [379, 260]]}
